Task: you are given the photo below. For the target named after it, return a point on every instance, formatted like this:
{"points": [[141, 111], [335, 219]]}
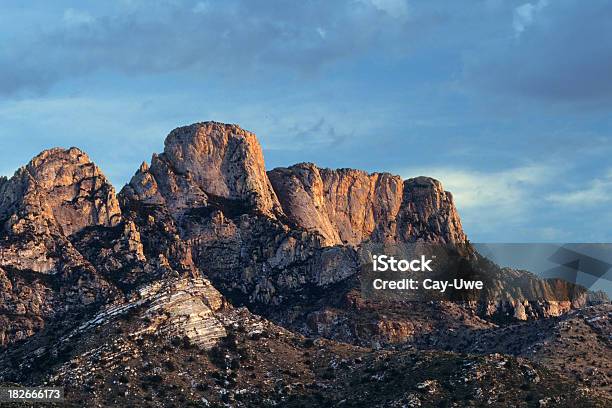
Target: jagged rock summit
{"points": [[136, 299], [207, 203], [349, 206], [59, 189], [43, 277], [206, 163], [217, 165]]}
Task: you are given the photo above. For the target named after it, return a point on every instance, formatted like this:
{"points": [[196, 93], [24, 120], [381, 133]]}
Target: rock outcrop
{"points": [[207, 204], [187, 308], [345, 206], [60, 191], [428, 213], [351, 206], [44, 277], [93, 285], [207, 164]]}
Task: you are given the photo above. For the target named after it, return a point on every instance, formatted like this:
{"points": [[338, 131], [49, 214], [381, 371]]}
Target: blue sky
{"points": [[506, 102]]}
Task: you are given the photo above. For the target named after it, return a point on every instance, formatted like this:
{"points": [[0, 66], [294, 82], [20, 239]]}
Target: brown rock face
{"points": [[285, 243], [203, 163], [58, 188], [350, 206], [345, 206], [428, 213], [85, 285], [44, 278]]}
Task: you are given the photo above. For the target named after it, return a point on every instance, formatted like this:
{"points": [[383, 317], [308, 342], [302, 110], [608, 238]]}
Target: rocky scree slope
{"points": [[122, 362]]}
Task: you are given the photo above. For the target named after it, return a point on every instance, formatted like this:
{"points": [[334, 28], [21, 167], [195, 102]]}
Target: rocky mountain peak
{"points": [[429, 213], [224, 160], [207, 162], [144, 167], [348, 206], [61, 188], [211, 166]]}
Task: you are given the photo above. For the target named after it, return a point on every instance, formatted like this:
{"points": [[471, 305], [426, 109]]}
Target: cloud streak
{"points": [[235, 38], [488, 201], [525, 14], [598, 191], [505, 191]]}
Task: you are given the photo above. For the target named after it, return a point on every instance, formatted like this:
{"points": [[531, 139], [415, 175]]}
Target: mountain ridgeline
{"points": [[205, 207], [206, 246]]}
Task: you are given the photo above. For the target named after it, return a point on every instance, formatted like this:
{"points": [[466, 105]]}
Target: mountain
{"points": [[209, 280], [42, 275]]}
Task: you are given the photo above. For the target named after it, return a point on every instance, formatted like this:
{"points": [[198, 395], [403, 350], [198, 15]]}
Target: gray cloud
{"points": [[561, 50], [234, 37]]}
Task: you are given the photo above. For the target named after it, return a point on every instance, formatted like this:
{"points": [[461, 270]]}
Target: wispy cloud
{"points": [[560, 51], [320, 133], [525, 14], [490, 200], [500, 191], [394, 8], [76, 17], [235, 38], [597, 191]]}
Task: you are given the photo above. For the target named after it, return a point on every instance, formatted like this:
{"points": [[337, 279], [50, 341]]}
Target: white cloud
{"points": [[395, 8], [76, 17], [489, 202], [476, 189], [550, 234], [525, 14], [201, 7], [597, 191]]}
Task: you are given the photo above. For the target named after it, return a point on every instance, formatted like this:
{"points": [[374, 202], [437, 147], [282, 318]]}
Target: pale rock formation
{"points": [[188, 308], [207, 163], [184, 307], [58, 188], [351, 206]]}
